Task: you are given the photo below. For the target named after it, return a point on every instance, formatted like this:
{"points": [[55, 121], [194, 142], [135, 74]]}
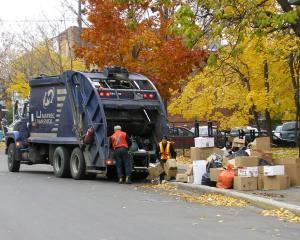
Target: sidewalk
{"points": [[287, 199]]}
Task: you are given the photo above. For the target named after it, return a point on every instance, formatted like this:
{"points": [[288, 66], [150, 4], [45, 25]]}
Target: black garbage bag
{"points": [[262, 162], [240, 153], [206, 180]]}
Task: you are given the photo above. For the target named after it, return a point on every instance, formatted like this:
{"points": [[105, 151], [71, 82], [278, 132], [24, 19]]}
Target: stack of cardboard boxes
{"points": [[279, 175], [204, 148]]}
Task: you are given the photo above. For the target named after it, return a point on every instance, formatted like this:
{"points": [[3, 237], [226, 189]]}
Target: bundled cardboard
{"points": [[204, 142], [248, 172], [204, 153], [261, 154], [244, 162], [154, 171], [262, 143], [214, 173], [171, 164], [190, 179], [170, 168], [238, 142], [284, 161], [189, 170], [276, 182], [182, 177], [260, 182], [245, 183], [277, 170], [292, 169]]}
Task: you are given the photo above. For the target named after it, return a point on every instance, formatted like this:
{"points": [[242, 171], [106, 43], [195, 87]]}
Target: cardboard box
{"points": [[190, 179], [154, 171], [293, 171], [214, 173], [276, 182], [238, 142], [260, 182], [261, 154], [170, 168], [245, 183], [204, 153], [277, 170], [171, 173], [245, 161], [261, 170], [171, 164], [204, 142], [284, 161], [262, 143], [189, 170], [248, 172], [181, 177]]}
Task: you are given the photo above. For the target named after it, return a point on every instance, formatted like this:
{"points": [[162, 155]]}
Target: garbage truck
{"points": [[63, 111]]}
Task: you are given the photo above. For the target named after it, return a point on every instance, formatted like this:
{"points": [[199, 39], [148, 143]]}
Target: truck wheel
{"points": [[61, 162], [77, 163], [13, 164]]}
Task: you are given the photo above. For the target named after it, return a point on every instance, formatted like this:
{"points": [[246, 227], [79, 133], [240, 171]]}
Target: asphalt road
{"points": [[34, 205]]}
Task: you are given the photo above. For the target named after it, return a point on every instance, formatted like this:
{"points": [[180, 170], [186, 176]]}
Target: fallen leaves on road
{"points": [[204, 199], [282, 215], [2, 145]]}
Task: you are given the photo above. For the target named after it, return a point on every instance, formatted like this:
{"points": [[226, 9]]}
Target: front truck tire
{"points": [[61, 162], [12, 162], [77, 164]]}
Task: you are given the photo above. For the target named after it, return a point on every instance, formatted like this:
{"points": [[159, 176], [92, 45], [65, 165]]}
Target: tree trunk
{"points": [[267, 112], [253, 110], [294, 65]]}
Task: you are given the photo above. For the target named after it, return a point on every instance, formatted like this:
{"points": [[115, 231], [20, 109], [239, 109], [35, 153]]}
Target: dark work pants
{"points": [[163, 175], [123, 160]]}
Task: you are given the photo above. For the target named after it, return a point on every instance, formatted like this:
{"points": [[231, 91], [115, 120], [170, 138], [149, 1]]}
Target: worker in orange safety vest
{"points": [[164, 151], [120, 143]]}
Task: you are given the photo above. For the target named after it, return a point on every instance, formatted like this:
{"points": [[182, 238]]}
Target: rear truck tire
{"points": [[77, 164], [13, 164], [61, 162]]}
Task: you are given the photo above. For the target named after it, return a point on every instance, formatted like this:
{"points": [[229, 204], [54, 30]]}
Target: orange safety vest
{"points": [[119, 140], [165, 153]]}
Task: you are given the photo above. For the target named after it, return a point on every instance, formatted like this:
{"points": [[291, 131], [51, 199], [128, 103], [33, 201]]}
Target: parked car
{"points": [[287, 133], [277, 131], [182, 137]]}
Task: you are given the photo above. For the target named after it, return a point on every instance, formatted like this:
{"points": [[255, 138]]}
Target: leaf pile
{"points": [[2, 145], [204, 199], [282, 214]]}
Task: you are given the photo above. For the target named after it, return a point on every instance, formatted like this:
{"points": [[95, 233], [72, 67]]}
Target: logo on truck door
{"points": [[48, 98]]}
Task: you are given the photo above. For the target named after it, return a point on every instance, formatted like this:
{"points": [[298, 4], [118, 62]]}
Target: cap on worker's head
{"points": [[118, 127]]}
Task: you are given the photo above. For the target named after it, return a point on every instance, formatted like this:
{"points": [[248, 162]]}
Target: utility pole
{"points": [[79, 21]]}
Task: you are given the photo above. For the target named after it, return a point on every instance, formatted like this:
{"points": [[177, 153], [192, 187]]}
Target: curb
{"points": [[254, 200]]}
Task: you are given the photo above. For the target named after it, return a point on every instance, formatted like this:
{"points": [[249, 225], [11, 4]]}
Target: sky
{"points": [[18, 14]]}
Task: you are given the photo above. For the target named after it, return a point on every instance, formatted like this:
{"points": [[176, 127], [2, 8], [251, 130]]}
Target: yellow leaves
{"points": [[282, 214], [19, 84], [204, 199]]}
